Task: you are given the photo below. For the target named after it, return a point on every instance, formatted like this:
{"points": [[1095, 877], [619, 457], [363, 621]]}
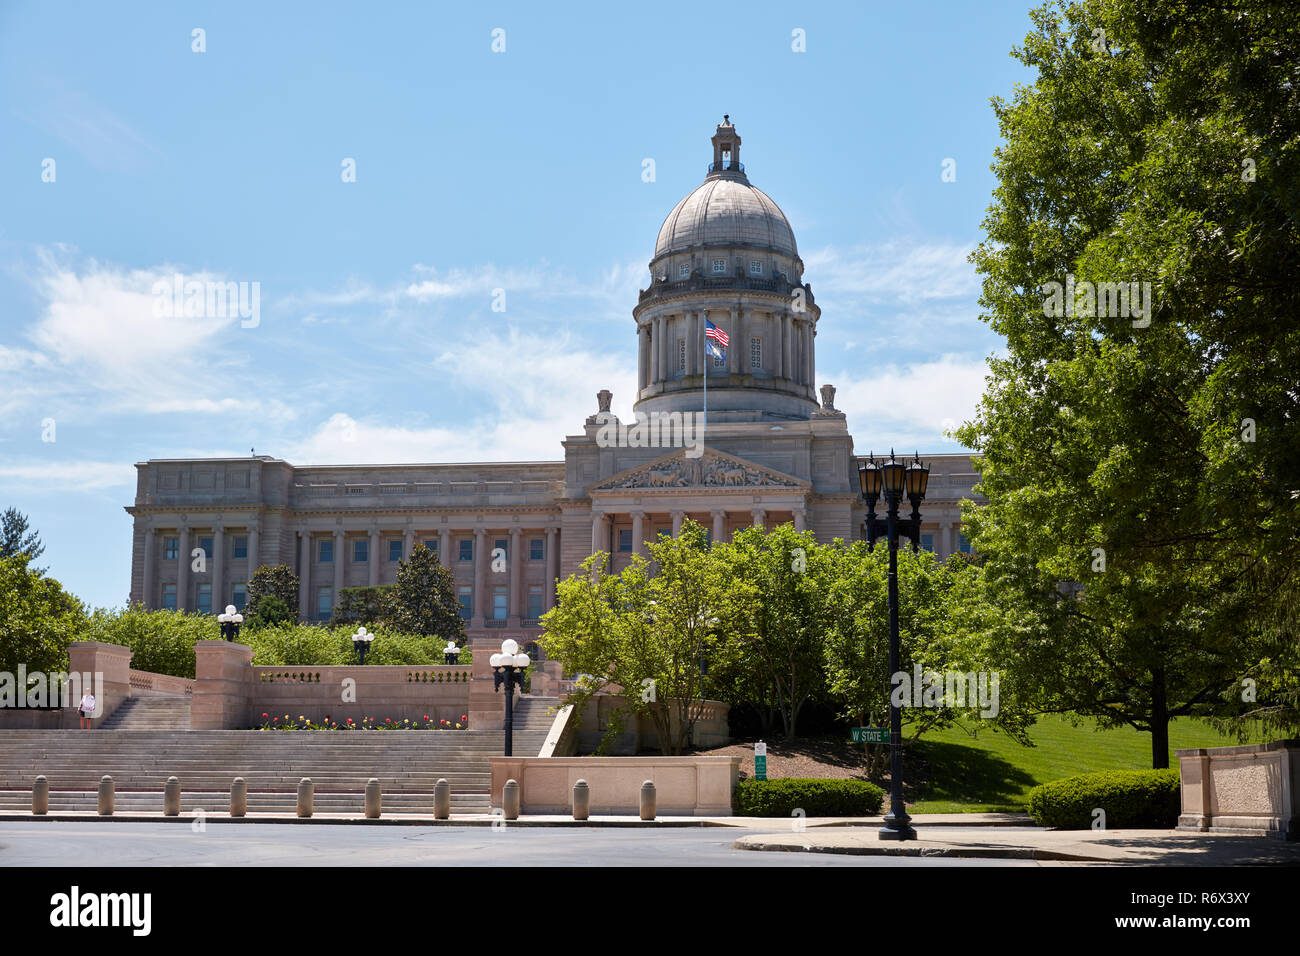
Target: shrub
{"points": [[161, 642], [1130, 798], [295, 645], [815, 797]]}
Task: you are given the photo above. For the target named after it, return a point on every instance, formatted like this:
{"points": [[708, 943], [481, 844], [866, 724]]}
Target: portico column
{"points": [[786, 364], [515, 576], [218, 603], [638, 532], [677, 522], [599, 537], [147, 585], [252, 552], [304, 572], [945, 537], [774, 345], [408, 545], [661, 327], [719, 524], [481, 561], [444, 548], [811, 338], [759, 516], [652, 333], [183, 570], [374, 557], [800, 519], [552, 566], [339, 557], [640, 357], [693, 364]]}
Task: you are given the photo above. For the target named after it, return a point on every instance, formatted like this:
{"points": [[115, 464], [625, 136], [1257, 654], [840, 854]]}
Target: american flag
{"points": [[711, 331]]}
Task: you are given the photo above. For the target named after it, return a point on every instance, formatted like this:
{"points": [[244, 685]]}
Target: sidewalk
{"points": [[1123, 847]]}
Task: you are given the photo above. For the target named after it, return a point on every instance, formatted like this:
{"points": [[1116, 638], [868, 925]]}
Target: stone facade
{"points": [[769, 452]]}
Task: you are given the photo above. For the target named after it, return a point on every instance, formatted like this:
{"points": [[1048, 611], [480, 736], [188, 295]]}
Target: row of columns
{"points": [[483, 571], [215, 572], [791, 357], [601, 525]]}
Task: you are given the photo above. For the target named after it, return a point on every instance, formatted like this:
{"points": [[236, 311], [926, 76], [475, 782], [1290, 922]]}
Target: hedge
{"points": [[1130, 798], [815, 797]]}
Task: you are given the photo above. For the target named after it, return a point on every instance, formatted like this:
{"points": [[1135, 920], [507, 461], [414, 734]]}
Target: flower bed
{"points": [[302, 722]]}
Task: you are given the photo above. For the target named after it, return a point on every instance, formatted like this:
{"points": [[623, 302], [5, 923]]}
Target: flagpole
{"points": [[704, 350]]}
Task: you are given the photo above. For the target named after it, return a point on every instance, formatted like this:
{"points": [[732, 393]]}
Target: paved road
{"points": [[104, 843]]}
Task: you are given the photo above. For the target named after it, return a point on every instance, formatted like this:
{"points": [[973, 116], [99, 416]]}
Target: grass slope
{"points": [[958, 773]]}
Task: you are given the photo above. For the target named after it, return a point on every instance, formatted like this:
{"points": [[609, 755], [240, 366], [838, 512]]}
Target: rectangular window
{"points": [[324, 603], [326, 551], [755, 267], [239, 596], [499, 607], [395, 549], [171, 548], [465, 594], [169, 597], [467, 549], [206, 545], [681, 355], [719, 361], [927, 542], [755, 353], [432, 545], [360, 551], [625, 539], [535, 606], [963, 544], [719, 267], [536, 549], [500, 548], [355, 490], [684, 270], [239, 547], [204, 604]]}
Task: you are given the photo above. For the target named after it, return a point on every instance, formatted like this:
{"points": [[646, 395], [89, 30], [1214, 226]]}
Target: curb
{"points": [[954, 851]]}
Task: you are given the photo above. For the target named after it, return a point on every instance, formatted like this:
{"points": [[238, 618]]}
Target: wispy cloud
{"points": [[34, 477], [105, 139]]}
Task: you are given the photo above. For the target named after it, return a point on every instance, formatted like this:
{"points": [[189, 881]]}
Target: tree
{"points": [[38, 619], [1141, 465], [777, 611], [276, 582], [361, 605], [15, 538], [423, 601], [644, 635]]}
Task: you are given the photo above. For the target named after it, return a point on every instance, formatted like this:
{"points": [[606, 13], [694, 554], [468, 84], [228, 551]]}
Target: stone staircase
{"points": [[407, 762], [531, 714], [150, 713]]}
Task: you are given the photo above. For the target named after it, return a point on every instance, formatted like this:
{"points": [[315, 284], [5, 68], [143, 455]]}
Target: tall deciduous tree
{"points": [[38, 619], [17, 540], [1150, 456]]}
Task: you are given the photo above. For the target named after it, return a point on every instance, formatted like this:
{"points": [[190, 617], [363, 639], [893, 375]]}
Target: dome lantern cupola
{"points": [[726, 151]]}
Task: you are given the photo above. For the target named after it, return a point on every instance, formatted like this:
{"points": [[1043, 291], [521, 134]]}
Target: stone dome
{"points": [[726, 211]]}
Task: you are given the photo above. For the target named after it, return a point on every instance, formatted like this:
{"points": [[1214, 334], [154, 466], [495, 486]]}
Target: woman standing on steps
{"points": [[86, 708]]}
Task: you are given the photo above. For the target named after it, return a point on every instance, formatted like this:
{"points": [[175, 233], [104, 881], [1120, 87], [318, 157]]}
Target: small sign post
{"points": [[869, 735], [760, 761]]}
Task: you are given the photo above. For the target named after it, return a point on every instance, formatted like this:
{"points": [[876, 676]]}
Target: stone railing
{"points": [[686, 786], [146, 683]]}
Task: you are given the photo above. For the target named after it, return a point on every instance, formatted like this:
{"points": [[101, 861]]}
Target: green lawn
{"points": [[958, 773]]}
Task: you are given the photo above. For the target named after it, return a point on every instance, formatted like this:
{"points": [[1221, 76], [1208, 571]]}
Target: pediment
{"points": [[713, 469]]}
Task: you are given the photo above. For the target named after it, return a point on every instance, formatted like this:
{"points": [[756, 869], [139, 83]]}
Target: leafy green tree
{"points": [[16, 540], [272, 581], [1140, 465], [161, 642], [38, 619], [775, 607], [641, 634], [423, 601], [362, 605]]}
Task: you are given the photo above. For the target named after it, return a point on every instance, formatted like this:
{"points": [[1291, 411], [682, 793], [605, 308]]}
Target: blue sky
{"points": [[475, 170]]}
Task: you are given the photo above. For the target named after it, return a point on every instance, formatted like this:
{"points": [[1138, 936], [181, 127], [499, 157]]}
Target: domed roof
{"points": [[725, 210]]}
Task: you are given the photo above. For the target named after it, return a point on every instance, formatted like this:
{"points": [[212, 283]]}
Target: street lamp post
{"points": [[230, 622], [361, 641], [508, 668], [451, 653], [895, 479]]}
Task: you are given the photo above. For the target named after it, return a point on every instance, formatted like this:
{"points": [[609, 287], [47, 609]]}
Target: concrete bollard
{"points": [[106, 796], [441, 799], [172, 797], [510, 800], [581, 800], [238, 797], [306, 791], [648, 800], [374, 799], [41, 796]]}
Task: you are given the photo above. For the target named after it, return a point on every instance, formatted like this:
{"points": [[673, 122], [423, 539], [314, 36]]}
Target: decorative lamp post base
{"points": [[897, 828]]}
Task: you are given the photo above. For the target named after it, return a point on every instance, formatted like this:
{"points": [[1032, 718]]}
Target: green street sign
{"points": [[869, 735], [760, 768]]}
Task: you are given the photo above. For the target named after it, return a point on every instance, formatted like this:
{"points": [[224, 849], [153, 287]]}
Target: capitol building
{"points": [[775, 450]]}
